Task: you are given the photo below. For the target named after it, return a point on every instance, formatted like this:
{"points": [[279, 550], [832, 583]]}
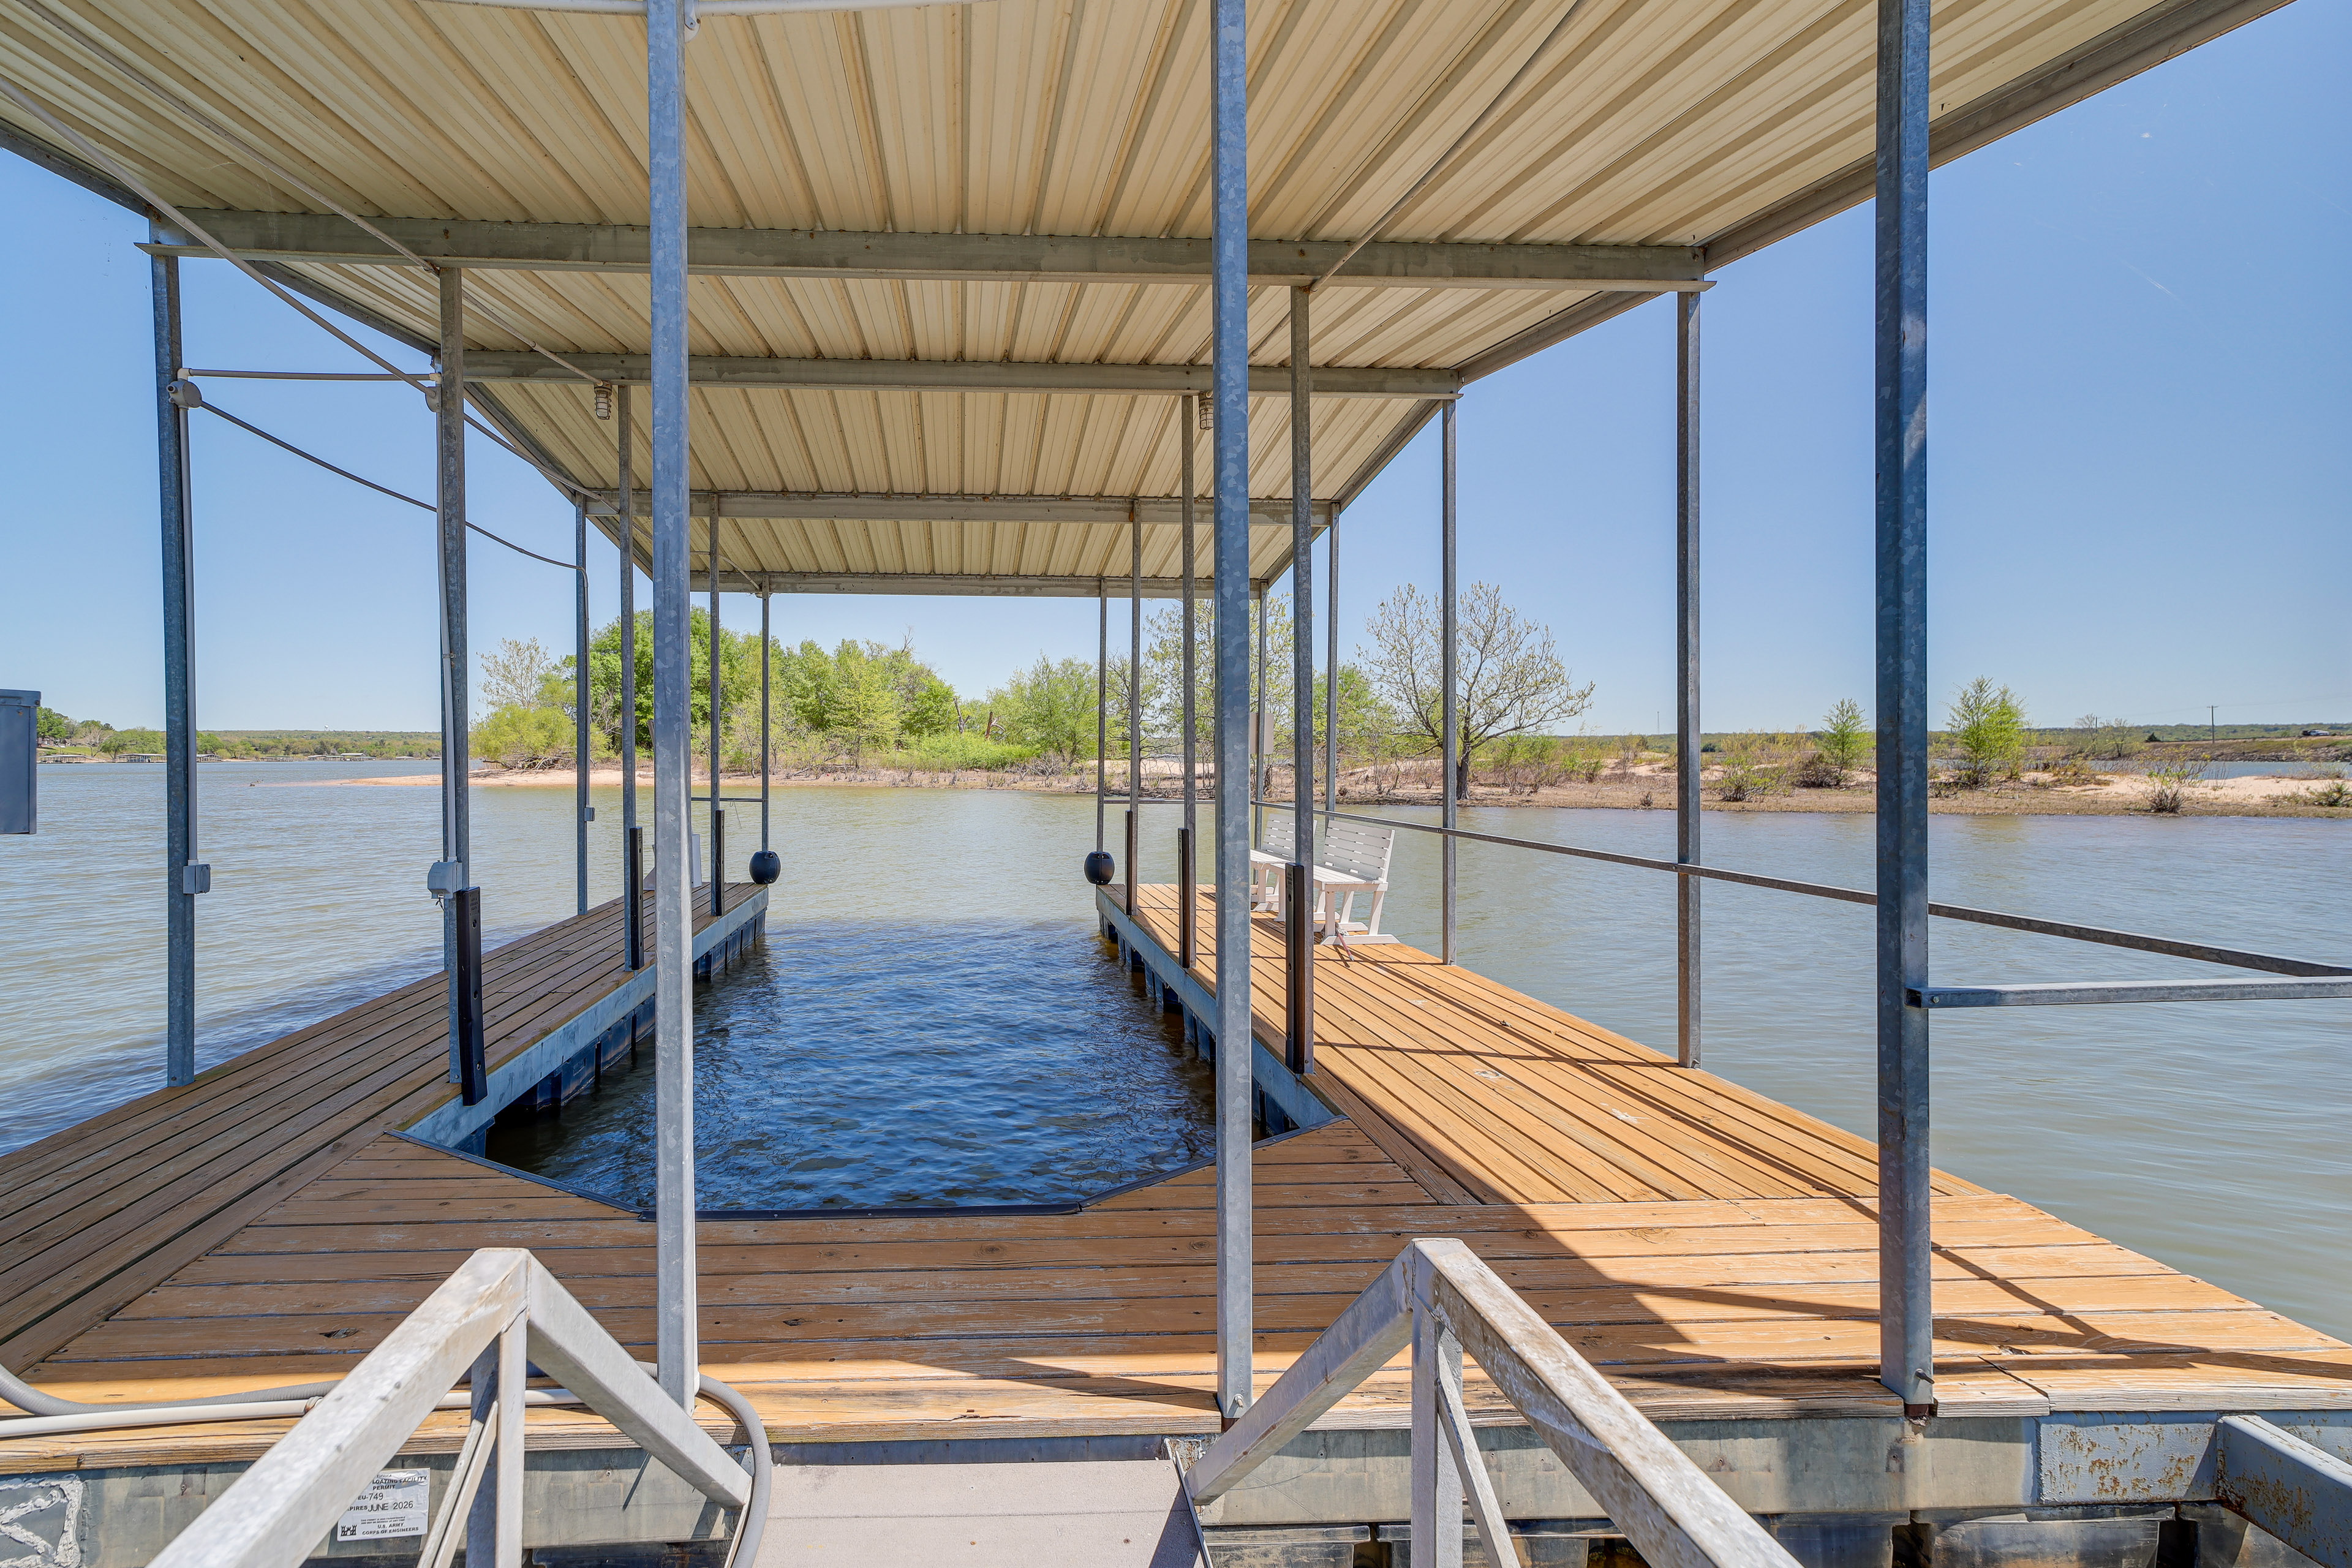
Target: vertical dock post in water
{"points": [[718, 807], [1134, 700], [582, 812], [674, 1327], [183, 880], [464, 969], [1449, 636], [1688, 763], [1229, 291], [1906, 1323], [1188, 913], [632, 869], [1300, 902]]}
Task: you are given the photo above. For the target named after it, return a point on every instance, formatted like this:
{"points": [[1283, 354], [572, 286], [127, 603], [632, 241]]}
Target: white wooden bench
{"points": [[1350, 858]]}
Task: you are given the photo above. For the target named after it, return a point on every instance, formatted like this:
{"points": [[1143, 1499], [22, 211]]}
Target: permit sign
{"points": [[393, 1504]]}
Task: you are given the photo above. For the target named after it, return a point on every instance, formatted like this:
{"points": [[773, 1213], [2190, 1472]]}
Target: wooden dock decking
{"points": [[99, 1212], [1713, 1253]]}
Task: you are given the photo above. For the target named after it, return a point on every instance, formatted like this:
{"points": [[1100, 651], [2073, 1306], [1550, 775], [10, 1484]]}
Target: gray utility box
{"points": [[20, 751]]}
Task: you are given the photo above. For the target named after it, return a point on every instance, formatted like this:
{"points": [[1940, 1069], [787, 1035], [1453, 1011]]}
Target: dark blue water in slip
{"points": [[864, 1063]]}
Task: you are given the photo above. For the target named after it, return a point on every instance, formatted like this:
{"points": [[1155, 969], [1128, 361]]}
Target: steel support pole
{"points": [[767, 711], [675, 1329], [1229, 336], [449, 495], [1102, 712], [718, 827], [181, 877], [633, 893], [1134, 703], [1301, 983], [1688, 759], [1187, 918], [1261, 730], [580, 813], [1905, 1320], [1331, 672], [1449, 641]]}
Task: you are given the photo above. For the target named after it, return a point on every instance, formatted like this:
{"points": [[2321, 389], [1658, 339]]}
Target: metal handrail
{"points": [[498, 1315], [1442, 1299], [2204, 952]]}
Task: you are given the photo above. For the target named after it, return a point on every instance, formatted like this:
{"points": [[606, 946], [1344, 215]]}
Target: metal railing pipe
{"points": [[1442, 1299]]}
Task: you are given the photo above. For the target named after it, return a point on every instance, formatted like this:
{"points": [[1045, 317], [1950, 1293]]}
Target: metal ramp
{"points": [[1091, 1513]]}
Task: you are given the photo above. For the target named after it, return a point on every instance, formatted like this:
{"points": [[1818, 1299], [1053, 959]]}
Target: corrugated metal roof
{"points": [[1651, 122]]}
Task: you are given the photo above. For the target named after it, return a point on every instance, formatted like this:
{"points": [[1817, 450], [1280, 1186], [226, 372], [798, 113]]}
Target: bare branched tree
{"points": [[1511, 678]]}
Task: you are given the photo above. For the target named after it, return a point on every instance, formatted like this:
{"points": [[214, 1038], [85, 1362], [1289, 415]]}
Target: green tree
{"points": [[516, 736], [1049, 707], [739, 678], [119, 742], [1987, 724], [51, 725], [1843, 737]]}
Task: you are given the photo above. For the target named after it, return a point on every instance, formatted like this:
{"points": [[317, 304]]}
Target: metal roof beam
{"points": [[962, 376], [979, 257], [1266, 511], [989, 585]]}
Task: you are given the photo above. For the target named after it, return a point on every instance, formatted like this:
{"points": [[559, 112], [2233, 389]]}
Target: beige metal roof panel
{"points": [[1649, 121]]}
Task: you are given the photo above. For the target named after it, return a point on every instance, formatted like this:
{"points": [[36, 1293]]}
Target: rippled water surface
{"points": [[861, 1063], [931, 1021]]}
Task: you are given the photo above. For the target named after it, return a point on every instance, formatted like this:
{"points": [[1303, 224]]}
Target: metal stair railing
{"points": [[497, 1316], [1441, 1298]]}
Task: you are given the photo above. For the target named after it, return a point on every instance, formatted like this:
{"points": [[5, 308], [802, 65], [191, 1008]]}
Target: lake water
{"points": [[931, 1022]]}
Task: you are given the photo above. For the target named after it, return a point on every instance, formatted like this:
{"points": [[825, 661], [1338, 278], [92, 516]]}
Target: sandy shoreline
{"points": [[1646, 787]]}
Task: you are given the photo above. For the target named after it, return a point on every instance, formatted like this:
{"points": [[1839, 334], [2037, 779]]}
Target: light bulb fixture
{"points": [[603, 400]]}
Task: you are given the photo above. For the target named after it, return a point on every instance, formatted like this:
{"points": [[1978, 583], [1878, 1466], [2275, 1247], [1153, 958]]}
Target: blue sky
{"points": [[2138, 460]]}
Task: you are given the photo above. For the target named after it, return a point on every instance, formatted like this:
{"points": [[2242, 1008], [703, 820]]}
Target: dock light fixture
{"points": [[1099, 868], [603, 400]]}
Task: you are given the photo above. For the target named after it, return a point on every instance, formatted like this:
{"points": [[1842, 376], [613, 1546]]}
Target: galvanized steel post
{"points": [[1688, 759], [1449, 639], [1261, 731], [1102, 709], [1229, 291], [580, 700], [674, 1325], [1905, 1320], [1134, 699], [1301, 982], [181, 879], [449, 497], [717, 826], [1331, 671], [1186, 879], [767, 710], [633, 893]]}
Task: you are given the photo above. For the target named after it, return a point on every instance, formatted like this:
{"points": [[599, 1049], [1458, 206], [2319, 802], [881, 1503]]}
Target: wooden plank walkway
{"points": [[1487, 1095], [99, 1212], [1730, 1271]]}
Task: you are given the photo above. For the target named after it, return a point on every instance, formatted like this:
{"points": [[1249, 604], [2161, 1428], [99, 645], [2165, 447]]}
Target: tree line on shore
{"points": [[864, 703]]}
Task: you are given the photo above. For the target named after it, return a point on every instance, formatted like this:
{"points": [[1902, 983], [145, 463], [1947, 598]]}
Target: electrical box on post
{"points": [[20, 754]]}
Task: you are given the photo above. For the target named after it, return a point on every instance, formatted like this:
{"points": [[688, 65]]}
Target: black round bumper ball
{"points": [[766, 867], [1099, 868]]}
